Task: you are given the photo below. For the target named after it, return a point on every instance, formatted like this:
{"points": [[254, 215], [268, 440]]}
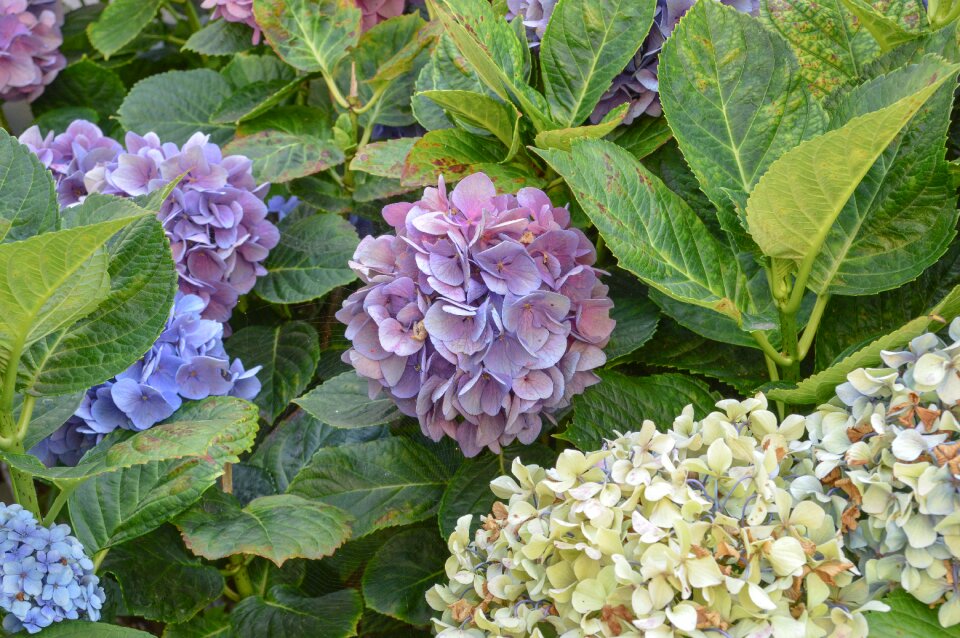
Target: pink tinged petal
{"points": [[365, 367], [396, 214], [593, 320], [533, 385], [473, 194], [393, 369], [397, 339]]}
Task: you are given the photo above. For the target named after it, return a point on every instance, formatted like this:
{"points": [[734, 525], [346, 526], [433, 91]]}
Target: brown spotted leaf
{"points": [[310, 35], [279, 156]]}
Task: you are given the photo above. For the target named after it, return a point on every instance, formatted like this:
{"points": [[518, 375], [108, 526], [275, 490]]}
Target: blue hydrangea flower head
{"points": [[47, 577]]}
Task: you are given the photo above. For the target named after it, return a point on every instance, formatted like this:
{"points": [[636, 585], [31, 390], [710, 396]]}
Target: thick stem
{"points": [[788, 335], [22, 483], [811, 330], [192, 18], [241, 579], [778, 357], [57, 505], [335, 92]]}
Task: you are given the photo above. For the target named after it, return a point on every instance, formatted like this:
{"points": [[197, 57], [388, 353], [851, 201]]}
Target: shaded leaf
{"points": [[81, 629], [344, 402], [121, 22], [213, 622], [286, 612], [83, 84], [220, 37], [398, 576]]}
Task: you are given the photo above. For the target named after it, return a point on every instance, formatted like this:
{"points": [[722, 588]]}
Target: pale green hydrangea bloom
{"points": [[889, 443], [691, 532]]}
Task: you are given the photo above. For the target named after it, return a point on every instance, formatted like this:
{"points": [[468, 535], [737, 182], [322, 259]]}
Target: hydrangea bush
{"points": [[287, 285], [482, 315]]}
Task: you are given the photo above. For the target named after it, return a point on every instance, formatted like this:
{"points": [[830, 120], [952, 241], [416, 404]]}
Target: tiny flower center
{"points": [[419, 332], [527, 238]]}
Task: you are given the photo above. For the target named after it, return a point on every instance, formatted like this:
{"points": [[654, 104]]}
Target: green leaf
{"points": [[49, 413], [250, 68], [160, 580], [483, 112], [57, 120], [121, 22], [220, 37], [310, 260], [213, 622], [799, 209], [83, 84], [443, 71], [83, 629], [830, 43], [292, 443], [643, 137], [123, 505], [404, 59], [28, 205], [907, 618], [344, 402], [177, 104], [383, 159], [383, 483], [277, 527], [124, 325], [468, 491], [398, 576], [280, 157], [493, 50], [620, 403], [254, 99], [289, 354], [735, 101], [820, 387], [636, 318], [885, 30], [49, 281], [455, 153], [310, 35], [585, 46], [288, 613], [563, 138], [220, 428], [654, 234]]}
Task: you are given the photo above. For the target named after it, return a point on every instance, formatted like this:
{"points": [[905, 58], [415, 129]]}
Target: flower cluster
{"points": [[681, 533], [188, 361], [30, 42], [637, 84], [215, 218], [890, 442], [47, 577], [481, 314]]}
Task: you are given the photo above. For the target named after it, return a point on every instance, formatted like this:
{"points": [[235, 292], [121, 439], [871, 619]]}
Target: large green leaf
{"points": [[481, 111], [585, 46], [734, 98], [177, 104], [220, 37], [654, 233], [218, 428], [124, 325], [28, 203], [293, 442], [636, 318], [310, 260], [820, 387], [310, 35], [494, 51], [278, 527], [288, 613], [384, 159], [49, 281], [82, 629], [794, 210], [444, 71], [344, 402], [83, 84], [289, 354], [383, 483], [831, 44], [280, 157], [621, 404], [121, 22], [644, 136], [254, 99], [250, 68], [213, 622], [907, 618], [49, 413], [160, 580], [398, 576]]}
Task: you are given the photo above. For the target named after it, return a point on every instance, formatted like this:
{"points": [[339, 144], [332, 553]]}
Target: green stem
{"points": [[242, 579], [3, 121], [229, 593], [503, 469], [377, 94], [26, 414], [811, 330], [788, 336], [58, 504], [778, 357], [98, 559], [23, 488], [335, 92], [774, 375], [192, 18]]}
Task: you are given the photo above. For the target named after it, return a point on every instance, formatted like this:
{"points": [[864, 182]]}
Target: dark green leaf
{"points": [[160, 580], [28, 205], [907, 618], [344, 402], [286, 612], [177, 104], [83, 84], [310, 261], [383, 483], [82, 629], [620, 403], [278, 527], [121, 22], [400, 573], [250, 68], [220, 37], [643, 137], [213, 622], [57, 120], [636, 318], [289, 354], [253, 100], [585, 46], [49, 413]]}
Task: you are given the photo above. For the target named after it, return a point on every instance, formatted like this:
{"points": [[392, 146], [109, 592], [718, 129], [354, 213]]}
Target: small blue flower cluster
{"points": [[47, 577], [188, 361]]}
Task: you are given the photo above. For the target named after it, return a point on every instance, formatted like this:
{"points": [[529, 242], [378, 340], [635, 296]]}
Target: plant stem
{"points": [[98, 559], [26, 413], [811, 330], [778, 357], [58, 504], [3, 121], [192, 17], [226, 481], [335, 92], [241, 579], [788, 335], [22, 483]]}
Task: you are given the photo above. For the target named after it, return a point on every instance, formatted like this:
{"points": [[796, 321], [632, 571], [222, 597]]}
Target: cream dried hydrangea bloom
{"points": [[889, 443], [690, 532]]}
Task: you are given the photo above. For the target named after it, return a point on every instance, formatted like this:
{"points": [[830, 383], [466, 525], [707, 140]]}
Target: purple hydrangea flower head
{"points": [[376, 11], [535, 15], [30, 42], [480, 315], [215, 218], [46, 575], [188, 361], [234, 11]]}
